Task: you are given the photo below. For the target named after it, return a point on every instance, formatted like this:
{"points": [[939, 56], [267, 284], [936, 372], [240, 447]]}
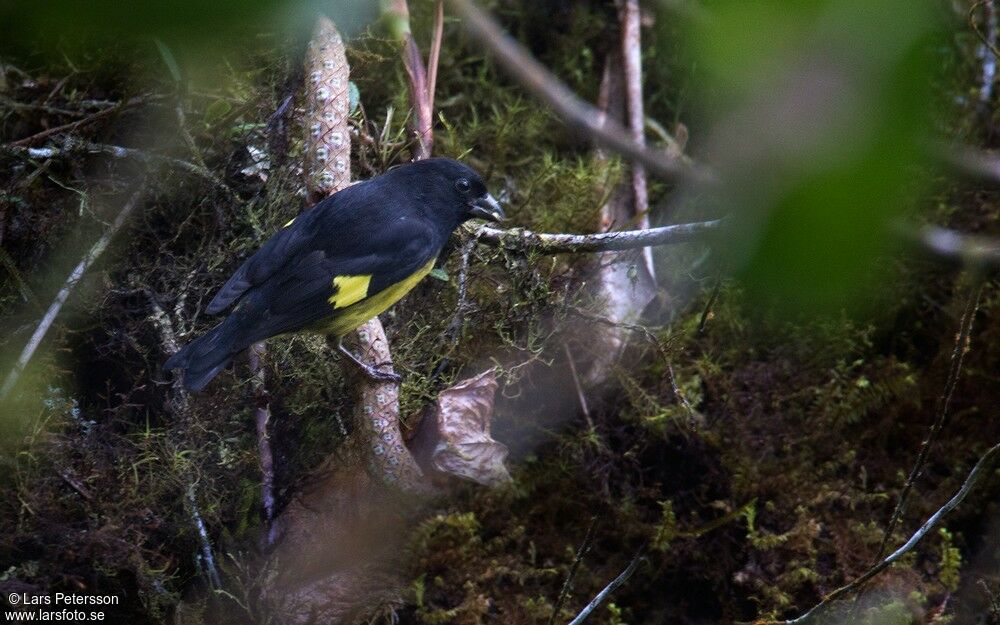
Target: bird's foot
{"points": [[377, 375], [373, 373]]}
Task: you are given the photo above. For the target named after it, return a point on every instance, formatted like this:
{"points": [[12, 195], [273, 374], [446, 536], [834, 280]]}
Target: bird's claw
{"points": [[377, 375]]}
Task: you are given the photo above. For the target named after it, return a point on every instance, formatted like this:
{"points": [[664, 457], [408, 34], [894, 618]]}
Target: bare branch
{"points": [[116, 108], [970, 482], [632, 64], [71, 281], [574, 112], [72, 147], [525, 240]]}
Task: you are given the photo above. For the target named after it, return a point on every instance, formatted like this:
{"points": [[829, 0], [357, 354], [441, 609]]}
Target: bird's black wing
{"points": [[368, 257], [284, 246]]}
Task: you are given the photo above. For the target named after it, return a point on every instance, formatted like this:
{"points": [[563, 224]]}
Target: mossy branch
{"points": [[549, 243]]}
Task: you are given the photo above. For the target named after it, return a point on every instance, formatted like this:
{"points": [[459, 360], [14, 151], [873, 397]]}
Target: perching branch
{"points": [[970, 482], [71, 281], [525, 240], [576, 113]]}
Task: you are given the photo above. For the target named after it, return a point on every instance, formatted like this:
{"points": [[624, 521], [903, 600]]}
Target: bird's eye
{"points": [[462, 185]]}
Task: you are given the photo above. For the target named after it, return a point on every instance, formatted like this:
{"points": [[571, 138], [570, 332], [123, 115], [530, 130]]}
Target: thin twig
{"points": [[610, 588], [632, 64], [72, 146], [526, 240], [707, 311], [929, 524], [576, 113], [117, 108], [580, 552], [206, 543], [454, 330], [581, 396], [944, 403], [434, 56], [262, 416], [71, 281]]}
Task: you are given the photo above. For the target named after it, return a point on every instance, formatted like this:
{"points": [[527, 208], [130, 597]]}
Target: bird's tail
{"points": [[203, 358]]}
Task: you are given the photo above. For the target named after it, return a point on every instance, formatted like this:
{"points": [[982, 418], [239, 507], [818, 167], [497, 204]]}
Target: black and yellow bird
{"points": [[340, 263]]}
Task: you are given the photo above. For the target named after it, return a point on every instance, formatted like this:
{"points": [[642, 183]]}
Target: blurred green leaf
{"points": [[216, 111], [168, 59], [821, 108]]}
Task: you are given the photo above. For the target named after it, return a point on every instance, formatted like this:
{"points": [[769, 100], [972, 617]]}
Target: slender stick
{"points": [[580, 394], [81, 122], [944, 403], [632, 63], [435, 54], [206, 543], [610, 588], [262, 416], [542, 83], [71, 281], [74, 146], [970, 481], [582, 551]]}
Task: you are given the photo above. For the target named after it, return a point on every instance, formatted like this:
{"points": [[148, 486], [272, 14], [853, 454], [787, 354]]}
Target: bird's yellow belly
{"points": [[351, 317]]}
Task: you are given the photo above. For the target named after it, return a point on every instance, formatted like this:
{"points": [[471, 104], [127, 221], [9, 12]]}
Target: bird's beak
{"points": [[487, 208]]}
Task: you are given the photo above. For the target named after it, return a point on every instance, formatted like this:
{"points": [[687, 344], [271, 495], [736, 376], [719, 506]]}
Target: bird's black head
{"points": [[455, 188]]}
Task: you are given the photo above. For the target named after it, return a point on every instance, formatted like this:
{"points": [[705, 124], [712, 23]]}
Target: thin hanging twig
{"points": [[434, 57], [580, 552], [71, 281]]}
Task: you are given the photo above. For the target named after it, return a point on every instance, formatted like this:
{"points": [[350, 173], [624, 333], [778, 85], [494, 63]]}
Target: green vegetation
{"points": [[769, 489]]}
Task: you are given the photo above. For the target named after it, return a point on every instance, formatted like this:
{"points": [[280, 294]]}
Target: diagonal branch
{"points": [[985, 461], [576, 113], [71, 281], [610, 588]]}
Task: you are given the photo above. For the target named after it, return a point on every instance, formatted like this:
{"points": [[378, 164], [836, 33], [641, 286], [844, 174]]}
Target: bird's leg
{"points": [[371, 372]]}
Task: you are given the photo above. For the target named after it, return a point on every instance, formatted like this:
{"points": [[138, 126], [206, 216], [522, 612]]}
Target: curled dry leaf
{"points": [[463, 446]]}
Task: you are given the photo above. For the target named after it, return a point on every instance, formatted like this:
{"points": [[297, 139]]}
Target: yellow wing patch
{"points": [[290, 222], [350, 290]]}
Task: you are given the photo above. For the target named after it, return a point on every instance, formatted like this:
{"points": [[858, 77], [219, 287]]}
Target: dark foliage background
{"points": [[771, 491]]}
